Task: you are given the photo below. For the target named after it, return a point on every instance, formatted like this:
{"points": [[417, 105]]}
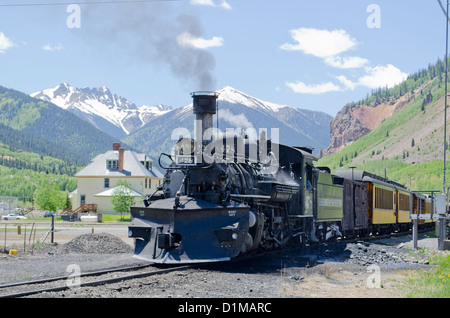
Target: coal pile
{"points": [[102, 243]]}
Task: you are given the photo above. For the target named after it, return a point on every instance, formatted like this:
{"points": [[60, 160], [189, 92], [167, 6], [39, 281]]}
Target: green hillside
{"points": [[42, 127], [408, 146], [22, 172], [40, 142]]}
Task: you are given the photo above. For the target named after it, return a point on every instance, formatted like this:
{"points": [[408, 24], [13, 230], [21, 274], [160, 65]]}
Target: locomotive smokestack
{"points": [[204, 105]]}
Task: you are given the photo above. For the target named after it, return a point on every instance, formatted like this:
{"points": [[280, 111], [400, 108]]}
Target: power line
{"points": [[81, 3], [442, 7]]}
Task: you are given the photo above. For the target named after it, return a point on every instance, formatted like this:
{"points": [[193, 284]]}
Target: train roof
{"points": [[361, 175], [286, 153], [303, 152]]}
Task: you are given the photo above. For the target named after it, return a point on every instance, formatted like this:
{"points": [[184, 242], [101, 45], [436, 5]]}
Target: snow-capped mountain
{"points": [[149, 128], [110, 113], [297, 127], [234, 96]]}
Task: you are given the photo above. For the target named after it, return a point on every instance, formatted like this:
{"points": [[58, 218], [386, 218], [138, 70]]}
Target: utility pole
{"points": [[445, 106], [442, 220]]}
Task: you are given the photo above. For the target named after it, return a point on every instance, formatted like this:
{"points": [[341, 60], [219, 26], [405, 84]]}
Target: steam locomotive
{"points": [[226, 195]]}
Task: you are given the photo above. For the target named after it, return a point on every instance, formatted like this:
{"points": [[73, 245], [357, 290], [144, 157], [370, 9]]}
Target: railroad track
{"points": [[23, 289], [64, 284]]}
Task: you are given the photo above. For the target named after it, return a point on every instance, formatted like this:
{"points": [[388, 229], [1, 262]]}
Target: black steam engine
{"points": [[225, 195]]}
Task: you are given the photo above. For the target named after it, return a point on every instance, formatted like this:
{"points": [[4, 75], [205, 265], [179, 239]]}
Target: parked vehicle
{"points": [[13, 216]]}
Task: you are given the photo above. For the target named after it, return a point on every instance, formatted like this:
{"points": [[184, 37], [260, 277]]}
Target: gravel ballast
{"points": [[306, 272]]}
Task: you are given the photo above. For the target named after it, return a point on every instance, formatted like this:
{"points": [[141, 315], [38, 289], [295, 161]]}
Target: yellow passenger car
{"points": [[384, 205], [403, 206]]}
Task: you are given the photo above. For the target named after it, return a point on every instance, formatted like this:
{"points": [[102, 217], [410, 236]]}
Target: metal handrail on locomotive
{"points": [[216, 210]]}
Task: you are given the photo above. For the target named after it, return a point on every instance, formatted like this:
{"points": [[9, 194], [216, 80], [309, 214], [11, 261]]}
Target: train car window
{"points": [[403, 202], [309, 177], [297, 169], [384, 199]]}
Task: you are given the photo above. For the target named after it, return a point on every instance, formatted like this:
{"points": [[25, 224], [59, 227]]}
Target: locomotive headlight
{"points": [[130, 233], [234, 236], [251, 219]]}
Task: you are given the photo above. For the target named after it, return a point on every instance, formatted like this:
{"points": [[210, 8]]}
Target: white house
{"points": [[96, 182]]}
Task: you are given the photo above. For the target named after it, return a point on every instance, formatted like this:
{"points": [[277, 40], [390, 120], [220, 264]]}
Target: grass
{"points": [[115, 218], [434, 283]]}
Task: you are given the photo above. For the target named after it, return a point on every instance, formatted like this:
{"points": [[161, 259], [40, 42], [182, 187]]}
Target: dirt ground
{"points": [[338, 281]]}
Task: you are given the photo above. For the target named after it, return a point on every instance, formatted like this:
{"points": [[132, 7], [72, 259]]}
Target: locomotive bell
{"points": [[204, 107]]}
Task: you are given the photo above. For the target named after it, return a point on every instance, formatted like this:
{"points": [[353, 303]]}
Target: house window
{"points": [[111, 164], [149, 183], [82, 199], [146, 183], [106, 182]]}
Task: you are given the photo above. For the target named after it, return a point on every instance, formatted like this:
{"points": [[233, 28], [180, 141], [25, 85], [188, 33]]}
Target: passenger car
{"points": [[12, 216]]}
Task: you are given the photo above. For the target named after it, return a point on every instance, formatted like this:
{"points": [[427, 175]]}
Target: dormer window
{"points": [[111, 164], [147, 164]]}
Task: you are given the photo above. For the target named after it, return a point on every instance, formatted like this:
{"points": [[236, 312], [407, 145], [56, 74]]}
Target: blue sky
{"points": [[315, 55]]}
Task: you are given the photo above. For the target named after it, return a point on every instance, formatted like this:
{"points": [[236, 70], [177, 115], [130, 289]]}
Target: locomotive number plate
{"points": [[185, 160]]}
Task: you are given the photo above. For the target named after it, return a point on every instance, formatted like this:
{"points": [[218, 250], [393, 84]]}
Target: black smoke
{"points": [[147, 33]]}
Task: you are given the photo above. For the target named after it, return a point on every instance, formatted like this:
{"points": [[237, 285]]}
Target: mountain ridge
{"points": [[64, 135], [122, 119], [109, 112], [237, 110], [357, 119], [407, 146]]}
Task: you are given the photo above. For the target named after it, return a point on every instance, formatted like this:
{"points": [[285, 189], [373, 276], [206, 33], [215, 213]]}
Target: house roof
{"points": [[132, 166], [110, 192], [73, 193]]}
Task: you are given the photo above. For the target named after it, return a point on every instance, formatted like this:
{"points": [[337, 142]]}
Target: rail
{"points": [[85, 284]]}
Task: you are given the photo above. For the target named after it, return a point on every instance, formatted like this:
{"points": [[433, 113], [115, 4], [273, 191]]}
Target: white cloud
{"points": [[382, 75], [348, 84], [346, 62], [326, 45], [329, 45], [300, 87], [320, 43], [5, 43], [378, 76], [49, 47], [187, 39], [203, 3], [223, 4]]}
